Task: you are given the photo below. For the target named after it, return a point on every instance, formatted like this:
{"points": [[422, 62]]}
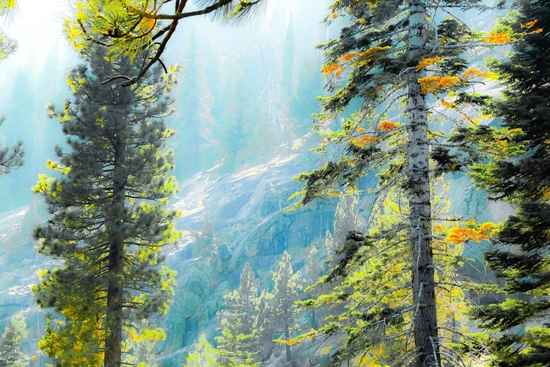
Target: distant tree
{"points": [[128, 28], [238, 344], [517, 330], [287, 290], [346, 220], [141, 344], [313, 271], [288, 56], [204, 355], [10, 347], [238, 119], [108, 222], [265, 313], [189, 138], [305, 102]]}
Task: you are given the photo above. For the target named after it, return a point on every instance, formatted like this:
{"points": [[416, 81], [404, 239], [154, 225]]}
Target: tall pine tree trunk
{"points": [[113, 340], [425, 316]]}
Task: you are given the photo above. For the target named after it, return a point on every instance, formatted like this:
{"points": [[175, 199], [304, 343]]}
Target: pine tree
{"points": [[517, 330], [130, 28], [10, 344], [393, 53], [107, 218], [286, 292], [238, 344]]}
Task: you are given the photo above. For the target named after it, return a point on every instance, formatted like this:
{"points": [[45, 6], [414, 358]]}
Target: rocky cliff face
{"points": [[230, 220]]}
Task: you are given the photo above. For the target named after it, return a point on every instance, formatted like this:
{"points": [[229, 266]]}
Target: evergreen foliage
{"points": [[393, 53], [204, 355], [517, 329], [130, 27], [287, 291], [9, 159], [7, 45], [239, 343], [107, 218], [10, 344]]}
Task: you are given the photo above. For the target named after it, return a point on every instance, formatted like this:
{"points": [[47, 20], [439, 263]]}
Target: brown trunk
{"points": [[425, 317], [113, 340]]}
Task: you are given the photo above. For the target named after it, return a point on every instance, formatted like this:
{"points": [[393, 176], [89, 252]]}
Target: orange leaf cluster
{"points": [[387, 125], [290, 342], [348, 56], [529, 24], [335, 68], [459, 235], [431, 84], [537, 30], [365, 139], [426, 62], [498, 38], [446, 104]]}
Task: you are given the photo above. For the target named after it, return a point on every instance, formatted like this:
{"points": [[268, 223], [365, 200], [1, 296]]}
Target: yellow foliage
{"points": [[52, 165], [325, 350], [459, 235], [368, 55], [476, 73], [7, 5]]}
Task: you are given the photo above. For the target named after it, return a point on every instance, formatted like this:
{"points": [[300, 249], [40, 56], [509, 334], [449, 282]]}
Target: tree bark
{"points": [[425, 329], [113, 340]]}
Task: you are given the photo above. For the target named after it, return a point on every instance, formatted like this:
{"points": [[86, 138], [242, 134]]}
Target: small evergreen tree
{"points": [[204, 355], [238, 344], [10, 344], [108, 222], [286, 292]]}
